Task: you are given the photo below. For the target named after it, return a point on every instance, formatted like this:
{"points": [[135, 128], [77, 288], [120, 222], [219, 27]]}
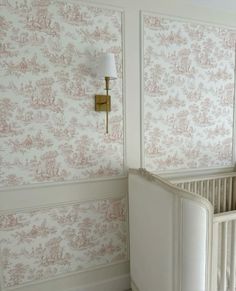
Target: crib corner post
{"points": [[214, 269], [234, 194]]}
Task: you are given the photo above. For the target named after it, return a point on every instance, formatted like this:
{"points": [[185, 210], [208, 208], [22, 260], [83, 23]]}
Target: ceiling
{"points": [[221, 4]]}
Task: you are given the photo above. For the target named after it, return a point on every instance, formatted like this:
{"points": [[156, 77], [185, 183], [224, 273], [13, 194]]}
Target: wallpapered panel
{"points": [[188, 71], [41, 244], [48, 127]]}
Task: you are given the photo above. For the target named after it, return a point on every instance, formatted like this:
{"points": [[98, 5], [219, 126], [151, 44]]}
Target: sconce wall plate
{"points": [[103, 103]]}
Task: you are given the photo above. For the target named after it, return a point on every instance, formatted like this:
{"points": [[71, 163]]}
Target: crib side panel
{"points": [[151, 236], [195, 239], [170, 232]]}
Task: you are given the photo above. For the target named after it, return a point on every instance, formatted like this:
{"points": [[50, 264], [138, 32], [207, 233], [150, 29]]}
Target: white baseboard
{"points": [[113, 277], [120, 283]]}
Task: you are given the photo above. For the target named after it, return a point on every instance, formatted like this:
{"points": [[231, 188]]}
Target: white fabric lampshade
{"points": [[106, 66]]}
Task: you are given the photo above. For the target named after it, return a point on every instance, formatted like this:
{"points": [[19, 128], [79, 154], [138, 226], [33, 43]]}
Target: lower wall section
{"points": [[118, 283], [40, 245], [110, 278]]}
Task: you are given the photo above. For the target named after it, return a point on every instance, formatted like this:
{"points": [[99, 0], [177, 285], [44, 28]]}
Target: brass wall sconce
{"points": [[106, 69]]}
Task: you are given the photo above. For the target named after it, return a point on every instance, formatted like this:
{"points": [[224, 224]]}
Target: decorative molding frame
{"points": [[181, 172], [15, 201], [24, 199], [125, 166]]}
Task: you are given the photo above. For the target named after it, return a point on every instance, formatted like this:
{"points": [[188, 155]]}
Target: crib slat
{"points": [[230, 195], [208, 189], [224, 194], [186, 186], [223, 279], [201, 189], [219, 196], [194, 186], [189, 187], [213, 193], [232, 281]]}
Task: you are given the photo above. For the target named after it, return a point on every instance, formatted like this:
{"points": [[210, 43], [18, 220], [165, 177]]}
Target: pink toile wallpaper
{"points": [[49, 130], [188, 71], [42, 244]]}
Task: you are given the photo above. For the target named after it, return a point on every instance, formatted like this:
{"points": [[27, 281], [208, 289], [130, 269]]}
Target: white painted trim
{"points": [[225, 216], [234, 113], [52, 184], [72, 282], [188, 19], [142, 143], [187, 173], [125, 167], [201, 177], [120, 283], [101, 5], [15, 200]]}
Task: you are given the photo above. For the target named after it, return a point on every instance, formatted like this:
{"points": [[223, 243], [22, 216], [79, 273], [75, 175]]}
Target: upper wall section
{"points": [[49, 130], [188, 94]]}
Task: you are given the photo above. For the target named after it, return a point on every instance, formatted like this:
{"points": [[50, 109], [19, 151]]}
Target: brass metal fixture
{"points": [[103, 103], [106, 69]]}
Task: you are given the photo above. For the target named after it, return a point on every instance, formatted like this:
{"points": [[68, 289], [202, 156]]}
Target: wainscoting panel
{"points": [[39, 243]]}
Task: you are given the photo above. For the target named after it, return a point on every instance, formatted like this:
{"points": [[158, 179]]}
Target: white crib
{"points": [[197, 215], [220, 190]]}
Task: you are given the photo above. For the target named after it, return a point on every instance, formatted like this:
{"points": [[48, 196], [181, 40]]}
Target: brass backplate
{"points": [[102, 103]]}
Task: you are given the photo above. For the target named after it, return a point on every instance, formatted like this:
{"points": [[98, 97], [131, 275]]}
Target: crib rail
{"points": [[224, 252], [218, 189]]}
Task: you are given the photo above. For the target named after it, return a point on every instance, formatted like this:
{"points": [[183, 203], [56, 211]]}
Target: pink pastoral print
{"points": [[42, 244], [188, 80], [49, 131]]}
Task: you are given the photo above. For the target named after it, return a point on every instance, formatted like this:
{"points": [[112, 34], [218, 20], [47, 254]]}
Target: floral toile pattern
{"points": [[49, 130], [188, 94], [41, 244]]}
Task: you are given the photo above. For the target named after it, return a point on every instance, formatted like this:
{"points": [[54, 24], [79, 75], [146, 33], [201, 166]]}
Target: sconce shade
{"points": [[106, 66]]}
